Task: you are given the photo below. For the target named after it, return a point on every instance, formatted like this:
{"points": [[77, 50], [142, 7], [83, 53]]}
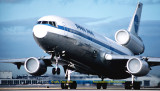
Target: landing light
{"points": [[108, 57]]}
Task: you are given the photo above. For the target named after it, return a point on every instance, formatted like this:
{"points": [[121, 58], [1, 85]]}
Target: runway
{"points": [[51, 87], [78, 89], [40, 88]]}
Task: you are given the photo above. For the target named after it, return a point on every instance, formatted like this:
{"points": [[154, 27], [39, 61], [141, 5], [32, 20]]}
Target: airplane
{"points": [[79, 49]]}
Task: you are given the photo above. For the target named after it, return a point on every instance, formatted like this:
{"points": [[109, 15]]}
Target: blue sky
{"points": [[25, 9], [17, 18]]}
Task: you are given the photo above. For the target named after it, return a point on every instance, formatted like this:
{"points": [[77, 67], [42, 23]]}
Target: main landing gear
{"points": [[56, 70], [64, 84], [134, 84], [68, 84], [102, 84]]}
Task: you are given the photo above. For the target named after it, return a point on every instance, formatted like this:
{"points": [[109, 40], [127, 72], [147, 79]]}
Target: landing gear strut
{"points": [[56, 69], [102, 84], [134, 84], [68, 83]]}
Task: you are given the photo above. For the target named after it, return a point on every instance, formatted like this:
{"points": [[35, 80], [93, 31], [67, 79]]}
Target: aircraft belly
{"points": [[79, 51]]}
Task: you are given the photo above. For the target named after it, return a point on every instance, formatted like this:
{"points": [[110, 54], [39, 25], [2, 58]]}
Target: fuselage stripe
{"points": [[88, 37]]}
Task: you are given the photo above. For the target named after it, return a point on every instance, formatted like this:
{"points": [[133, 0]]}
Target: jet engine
{"points": [[132, 42], [137, 67], [35, 67]]}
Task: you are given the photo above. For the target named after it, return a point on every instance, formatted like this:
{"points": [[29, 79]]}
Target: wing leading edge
{"points": [[152, 61], [20, 61]]}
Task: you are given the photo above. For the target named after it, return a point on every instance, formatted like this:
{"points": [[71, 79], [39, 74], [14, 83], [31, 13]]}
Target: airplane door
{"points": [[65, 29]]}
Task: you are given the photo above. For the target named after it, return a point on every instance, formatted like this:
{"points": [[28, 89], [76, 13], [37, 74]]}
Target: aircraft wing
{"points": [[14, 61], [153, 61], [47, 60], [17, 62], [21, 61]]}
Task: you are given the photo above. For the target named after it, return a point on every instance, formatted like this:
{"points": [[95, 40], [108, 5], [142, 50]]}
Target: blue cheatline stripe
{"points": [[89, 38]]}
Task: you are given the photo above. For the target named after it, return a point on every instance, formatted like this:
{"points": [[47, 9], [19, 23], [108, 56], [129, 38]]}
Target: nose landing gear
{"points": [[54, 71]]}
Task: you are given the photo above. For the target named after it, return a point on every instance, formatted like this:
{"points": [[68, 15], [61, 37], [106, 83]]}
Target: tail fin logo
{"points": [[136, 23]]}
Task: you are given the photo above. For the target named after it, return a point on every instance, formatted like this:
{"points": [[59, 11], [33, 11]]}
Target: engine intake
{"points": [[35, 67], [137, 67], [132, 42]]}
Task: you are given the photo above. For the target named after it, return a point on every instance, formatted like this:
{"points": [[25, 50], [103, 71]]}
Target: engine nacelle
{"points": [[132, 42], [35, 67], [137, 67]]}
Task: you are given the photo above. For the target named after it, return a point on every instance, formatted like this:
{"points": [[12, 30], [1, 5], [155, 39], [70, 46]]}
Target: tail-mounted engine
{"points": [[137, 67], [35, 67], [132, 42]]}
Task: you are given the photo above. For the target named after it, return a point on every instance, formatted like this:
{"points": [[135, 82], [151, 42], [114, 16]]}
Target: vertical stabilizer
{"points": [[135, 21]]}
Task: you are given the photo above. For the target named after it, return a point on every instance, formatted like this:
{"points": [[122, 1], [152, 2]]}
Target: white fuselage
{"points": [[80, 34], [84, 48]]}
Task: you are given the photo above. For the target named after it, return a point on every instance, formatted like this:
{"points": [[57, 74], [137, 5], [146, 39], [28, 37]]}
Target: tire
{"points": [[65, 86], [58, 71], [54, 71], [73, 85], [62, 85], [136, 85], [99, 85], [128, 85], [104, 85]]}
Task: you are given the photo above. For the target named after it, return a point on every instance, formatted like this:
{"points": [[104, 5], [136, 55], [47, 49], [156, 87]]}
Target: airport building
{"points": [[5, 75], [7, 79], [148, 81]]}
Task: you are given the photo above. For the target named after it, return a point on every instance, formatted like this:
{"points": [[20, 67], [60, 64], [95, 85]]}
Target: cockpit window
{"points": [[44, 22], [52, 23], [39, 22]]}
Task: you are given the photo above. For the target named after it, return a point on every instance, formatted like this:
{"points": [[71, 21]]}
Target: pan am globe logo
{"points": [[136, 23]]}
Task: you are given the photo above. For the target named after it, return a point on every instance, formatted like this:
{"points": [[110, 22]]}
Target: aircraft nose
{"points": [[40, 31]]}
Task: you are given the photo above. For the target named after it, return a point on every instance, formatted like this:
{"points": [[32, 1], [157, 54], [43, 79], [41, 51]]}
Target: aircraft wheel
{"points": [[136, 85], [104, 85], [54, 71], [62, 85], [99, 85], [66, 86], [58, 71], [73, 85], [70, 86], [128, 85]]}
